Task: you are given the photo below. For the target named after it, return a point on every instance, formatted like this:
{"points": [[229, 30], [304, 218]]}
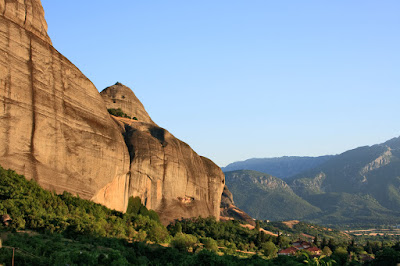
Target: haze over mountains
{"points": [[358, 186], [282, 167]]}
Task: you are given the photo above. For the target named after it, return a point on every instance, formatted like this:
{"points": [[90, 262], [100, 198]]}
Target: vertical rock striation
{"points": [[165, 172], [54, 126], [28, 14]]}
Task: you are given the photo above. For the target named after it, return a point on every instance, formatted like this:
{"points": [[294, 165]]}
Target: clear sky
{"points": [[250, 78]]}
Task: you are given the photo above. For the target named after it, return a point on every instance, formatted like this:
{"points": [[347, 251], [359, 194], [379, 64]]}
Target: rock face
{"points": [[54, 128], [28, 14], [165, 172], [120, 96], [229, 211]]}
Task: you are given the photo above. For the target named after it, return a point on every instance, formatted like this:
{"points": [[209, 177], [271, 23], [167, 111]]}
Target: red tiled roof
{"points": [[313, 249], [290, 250]]}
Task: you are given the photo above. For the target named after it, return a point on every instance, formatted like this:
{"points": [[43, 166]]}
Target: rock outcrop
{"points": [[55, 128], [120, 96], [165, 172], [28, 14], [229, 211]]}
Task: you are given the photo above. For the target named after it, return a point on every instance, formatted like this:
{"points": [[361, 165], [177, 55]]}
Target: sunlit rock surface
{"points": [[54, 126]]}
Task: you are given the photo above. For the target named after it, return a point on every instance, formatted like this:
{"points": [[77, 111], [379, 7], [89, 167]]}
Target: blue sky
{"points": [[244, 79]]}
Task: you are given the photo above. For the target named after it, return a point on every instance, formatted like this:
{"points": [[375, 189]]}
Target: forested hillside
{"points": [[281, 167], [357, 187], [266, 197]]}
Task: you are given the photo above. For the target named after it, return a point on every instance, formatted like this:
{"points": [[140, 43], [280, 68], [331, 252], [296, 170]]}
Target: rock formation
{"points": [[54, 128], [120, 96], [28, 14], [165, 172], [230, 211], [54, 125]]}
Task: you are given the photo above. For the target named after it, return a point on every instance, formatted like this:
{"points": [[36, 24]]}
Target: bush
{"points": [[269, 249], [119, 112], [209, 244], [184, 242]]}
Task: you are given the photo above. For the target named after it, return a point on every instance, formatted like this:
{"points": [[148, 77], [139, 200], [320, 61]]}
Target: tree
{"points": [[368, 247], [230, 248], [318, 261], [316, 241], [269, 249], [340, 255], [387, 256], [134, 204], [210, 244], [258, 240], [332, 244], [324, 242], [184, 242], [327, 251], [257, 227]]}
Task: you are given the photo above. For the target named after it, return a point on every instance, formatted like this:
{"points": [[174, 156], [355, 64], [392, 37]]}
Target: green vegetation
{"points": [[360, 187], [51, 229], [118, 112], [300, 230], [281, 167], [263, 196], [230, 234], [53, 249], [32, 207]]}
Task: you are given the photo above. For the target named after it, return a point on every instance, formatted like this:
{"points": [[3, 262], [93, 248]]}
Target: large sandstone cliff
{"points": [[54, 128], [165, 172]]}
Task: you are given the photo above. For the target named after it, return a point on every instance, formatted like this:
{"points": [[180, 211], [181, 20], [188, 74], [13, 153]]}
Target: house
{"points": [[288, 251], [314, 251], [366, 257], [6, 219], [301, 244]]}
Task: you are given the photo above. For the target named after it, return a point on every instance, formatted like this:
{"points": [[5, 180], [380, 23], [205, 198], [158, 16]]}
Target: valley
{"points": [[87, 177], [359, 187]]}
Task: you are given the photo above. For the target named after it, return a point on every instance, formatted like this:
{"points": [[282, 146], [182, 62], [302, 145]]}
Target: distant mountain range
{"points": [[360, 186], [266, 197], [282, 167]]}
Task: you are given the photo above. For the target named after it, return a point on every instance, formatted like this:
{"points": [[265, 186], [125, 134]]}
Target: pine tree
{"points": [[316, 240]]}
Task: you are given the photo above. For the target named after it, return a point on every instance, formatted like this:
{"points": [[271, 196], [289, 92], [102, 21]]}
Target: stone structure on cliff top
{"points": [[54, 128]]}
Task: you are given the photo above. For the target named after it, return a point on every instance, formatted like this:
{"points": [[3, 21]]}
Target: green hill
{"points": [[373, 171], [281, 167], [266, 197], [360, 186], [357, 186]]}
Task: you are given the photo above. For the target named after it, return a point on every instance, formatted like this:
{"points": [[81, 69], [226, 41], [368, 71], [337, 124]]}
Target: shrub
{"points": [[209, 244], [118, 112], [269, 249], [184, 242]]}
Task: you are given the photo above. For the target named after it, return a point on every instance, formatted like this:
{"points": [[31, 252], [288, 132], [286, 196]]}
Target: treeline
{"points": [[52, 229], [32, 207]]}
